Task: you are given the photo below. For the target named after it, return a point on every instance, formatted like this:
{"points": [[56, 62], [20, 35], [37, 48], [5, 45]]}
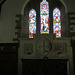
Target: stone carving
{"points": [[61, 47], [28, 48], [47, 47], [44, 46]]}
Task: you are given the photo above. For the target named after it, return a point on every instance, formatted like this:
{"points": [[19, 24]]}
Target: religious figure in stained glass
{"points": [[32, 23], [44, 17], [57, 22]]}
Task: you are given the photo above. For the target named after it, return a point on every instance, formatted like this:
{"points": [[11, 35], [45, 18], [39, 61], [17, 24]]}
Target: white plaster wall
{"points": [[7, 20]]}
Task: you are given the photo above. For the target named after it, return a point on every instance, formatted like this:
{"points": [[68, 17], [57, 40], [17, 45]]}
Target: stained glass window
{"points": [[56, 22], [44, 17], [32, 23]]}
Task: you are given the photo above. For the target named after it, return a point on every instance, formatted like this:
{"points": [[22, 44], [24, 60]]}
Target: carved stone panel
{"points": [[61, 48], [28, 48], [44, 47]]}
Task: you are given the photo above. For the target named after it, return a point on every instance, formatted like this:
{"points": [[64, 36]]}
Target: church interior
{"points": [[37, 37]]}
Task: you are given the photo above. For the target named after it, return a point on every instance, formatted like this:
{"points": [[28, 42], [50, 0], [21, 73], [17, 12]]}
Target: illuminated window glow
{"points": [[44, 17], [57, 22], [32, 23]]}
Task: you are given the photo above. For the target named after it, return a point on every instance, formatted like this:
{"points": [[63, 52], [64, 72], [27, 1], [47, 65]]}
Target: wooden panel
{"points": [[44, 67], [9, 58]]}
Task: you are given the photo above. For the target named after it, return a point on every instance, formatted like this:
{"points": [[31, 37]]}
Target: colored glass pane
{"points": [[57, 22], [32, 23], [44, 17]]}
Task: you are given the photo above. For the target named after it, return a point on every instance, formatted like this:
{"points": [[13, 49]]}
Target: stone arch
{"points": [[30, 4], [22, 10], [64, 5]]}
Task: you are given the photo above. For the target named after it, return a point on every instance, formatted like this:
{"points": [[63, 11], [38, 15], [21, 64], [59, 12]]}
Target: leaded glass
{"points": [[32, 23], [44, 17], [57, 22]]}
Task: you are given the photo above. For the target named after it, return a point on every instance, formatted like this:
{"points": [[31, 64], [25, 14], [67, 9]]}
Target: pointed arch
{"points": [[32, 23], [44, 17], [24, 5], [57, 22]]}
